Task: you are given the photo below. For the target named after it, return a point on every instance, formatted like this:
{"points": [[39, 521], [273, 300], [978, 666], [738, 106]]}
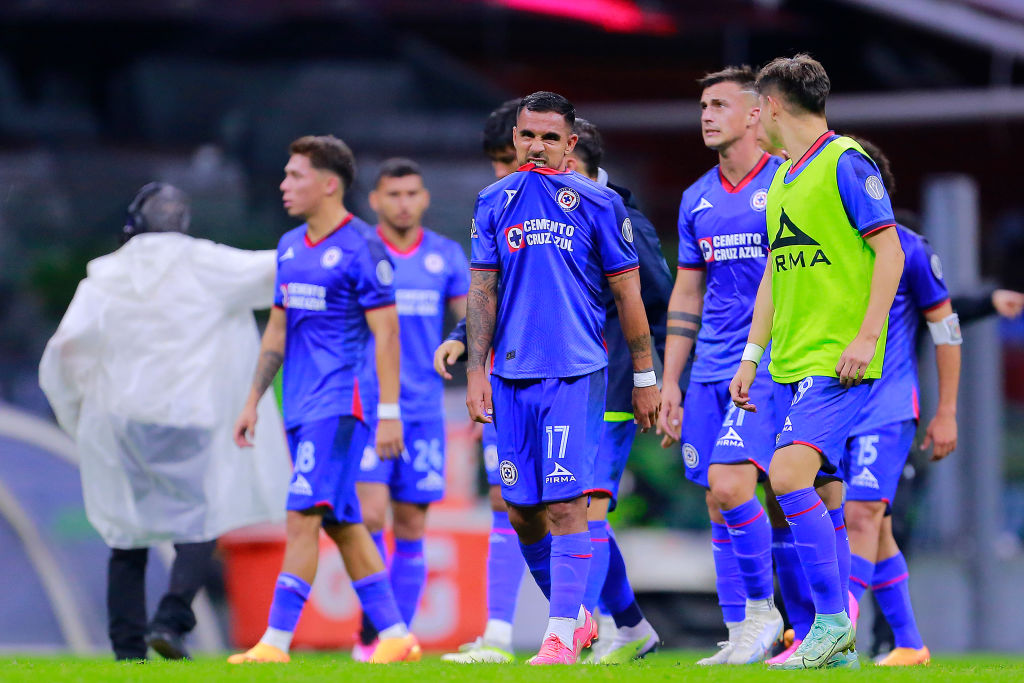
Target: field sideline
{"points": [[669, 665]]}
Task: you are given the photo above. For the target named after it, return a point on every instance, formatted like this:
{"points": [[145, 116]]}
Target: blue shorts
{"points": [[418, 475], [612, 454], [820, 414], [549, 431], [490, 443], [873, 462], [716, 432], [325, 461]]}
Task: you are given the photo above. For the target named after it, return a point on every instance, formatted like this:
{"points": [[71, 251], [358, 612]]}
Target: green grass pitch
{"points": [[672, 665]]}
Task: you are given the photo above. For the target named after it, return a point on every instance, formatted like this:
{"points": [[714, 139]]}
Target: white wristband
{"points": [[388, 411], [946, 331], [753, 353], [644, 379]]}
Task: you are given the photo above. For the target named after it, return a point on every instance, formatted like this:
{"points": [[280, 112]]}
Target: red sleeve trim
{"points": [[486, 270], [377, 308], [700, 268], [934, 306], [280, 308], [872, 231], [620, 272]]}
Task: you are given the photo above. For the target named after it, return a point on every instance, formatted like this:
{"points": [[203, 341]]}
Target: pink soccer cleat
{"points": [[362, 653], [784, 655], [554, 651], [854, 610], [586, 634]]}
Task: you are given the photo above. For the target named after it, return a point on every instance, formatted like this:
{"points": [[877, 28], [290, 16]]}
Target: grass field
{"points": [[665, 666]]}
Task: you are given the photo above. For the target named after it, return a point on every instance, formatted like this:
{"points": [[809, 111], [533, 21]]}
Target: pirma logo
{"points": [[509, 473], [567, 199], [514, 237], [690, 457]]}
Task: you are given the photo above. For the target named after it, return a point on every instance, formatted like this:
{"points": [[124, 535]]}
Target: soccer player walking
{"points": [[334, 287], [824, 300], [551, 236], [723, 251]]}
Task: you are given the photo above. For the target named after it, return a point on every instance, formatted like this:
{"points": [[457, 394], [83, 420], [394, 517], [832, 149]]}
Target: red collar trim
{"points": [[541, 169], [733, 189], [818, 144], [342, 224], [406, 252]]}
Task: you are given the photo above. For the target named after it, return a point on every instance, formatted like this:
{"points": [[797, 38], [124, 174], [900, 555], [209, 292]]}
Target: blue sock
{"points": [[842, 553], [505, 568], [751, 537], [538, 559], [893, 595], [731, 595], [290, 596], [408, 576], [815, 540], [570, 565], [368, 632], [598, 563], [861, 572], [617, 597], [796, 593], [378, 601], [378, 540]]}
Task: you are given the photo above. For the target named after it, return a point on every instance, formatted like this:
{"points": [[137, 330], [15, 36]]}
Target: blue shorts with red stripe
{"points": [[874, 461], [819, 412], [325, 462]]}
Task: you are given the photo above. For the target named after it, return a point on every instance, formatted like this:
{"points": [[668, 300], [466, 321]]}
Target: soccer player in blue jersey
{"points": [[334, 287], [823, 303], [431, 274], [543, 242], [722, 255]]}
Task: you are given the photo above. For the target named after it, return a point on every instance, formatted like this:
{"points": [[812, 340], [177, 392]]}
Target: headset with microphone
{"points": [[135, 221]]}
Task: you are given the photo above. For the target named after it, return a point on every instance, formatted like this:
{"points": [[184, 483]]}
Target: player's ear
{"points": [[426, 199], [571, 163], [374, 200], [573, 139]]}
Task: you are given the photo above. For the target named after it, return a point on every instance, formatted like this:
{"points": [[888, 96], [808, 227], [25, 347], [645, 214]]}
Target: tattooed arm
{"points": [[684, 310], [271, 359], [480, 318], [633, 318]]}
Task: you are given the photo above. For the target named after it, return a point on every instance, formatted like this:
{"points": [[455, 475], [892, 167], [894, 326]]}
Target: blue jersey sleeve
{"points": [[864, 196], [278, 292], [690, 257], [483, 249], [458, 278], [458, 333], [615, 239], [374, 276], [923, 272]]}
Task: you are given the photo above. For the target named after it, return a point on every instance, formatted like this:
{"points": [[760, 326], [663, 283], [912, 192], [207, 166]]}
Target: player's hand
{"points": [[646, 402], [670, 416], [245, 426], [390, 442], [853, 364], [1008, 303], [478, 397], [739, 387], [941, 434], [446, 354]]}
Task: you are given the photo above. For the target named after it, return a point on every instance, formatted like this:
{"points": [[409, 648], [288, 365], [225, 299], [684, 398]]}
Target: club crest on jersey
{"points": [[706, 249], [568, 199], [759, 200], [433, 262], [509, 473], [627, 229], [330, 257], [873, 186], [385, 272], [514, 237], [690, 457]]}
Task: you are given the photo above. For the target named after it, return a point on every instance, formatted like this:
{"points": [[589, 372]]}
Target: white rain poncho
{"points": [[148, 371]]}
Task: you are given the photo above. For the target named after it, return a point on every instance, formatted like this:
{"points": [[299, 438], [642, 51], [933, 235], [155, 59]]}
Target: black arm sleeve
{"points": [[972, 308]]}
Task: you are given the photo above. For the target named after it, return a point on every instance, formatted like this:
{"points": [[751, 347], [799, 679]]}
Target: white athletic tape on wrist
{"points": [[946, 331], [753, 353], [644, 379], [388, 411]]}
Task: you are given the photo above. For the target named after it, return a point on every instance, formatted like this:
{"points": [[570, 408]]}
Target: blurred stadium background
{"points": [[99, 97]]}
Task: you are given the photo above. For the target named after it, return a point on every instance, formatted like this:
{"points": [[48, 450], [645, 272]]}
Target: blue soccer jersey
{"points": [[722, 230], [894, 397], [427, 276], [325, 289], [553, 258]]}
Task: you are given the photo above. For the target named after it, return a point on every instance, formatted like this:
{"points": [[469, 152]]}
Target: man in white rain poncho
{"points": [[146, 372]]}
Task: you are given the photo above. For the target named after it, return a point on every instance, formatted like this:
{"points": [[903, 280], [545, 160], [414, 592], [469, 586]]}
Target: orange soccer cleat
{"points": [[390, 650], [260, 653], [907, 656]]}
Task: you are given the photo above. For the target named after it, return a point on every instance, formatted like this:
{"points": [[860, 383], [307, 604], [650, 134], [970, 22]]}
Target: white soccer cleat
{"points": [[605, 627], [631, 643], [758, 634], [478, 652], [720, 657]]}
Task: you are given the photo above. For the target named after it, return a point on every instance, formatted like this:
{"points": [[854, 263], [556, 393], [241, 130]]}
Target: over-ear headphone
{"points": [[135, 221]]}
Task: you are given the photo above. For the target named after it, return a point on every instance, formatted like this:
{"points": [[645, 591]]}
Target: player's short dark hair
{"points": [[590, 147], [801, 80], [545, 101], [327, 153], [497, 135], [881, 161], [742, 76], [397, 167]]}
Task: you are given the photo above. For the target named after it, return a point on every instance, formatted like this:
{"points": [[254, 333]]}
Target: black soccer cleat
{"points": [[167, 644]]}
